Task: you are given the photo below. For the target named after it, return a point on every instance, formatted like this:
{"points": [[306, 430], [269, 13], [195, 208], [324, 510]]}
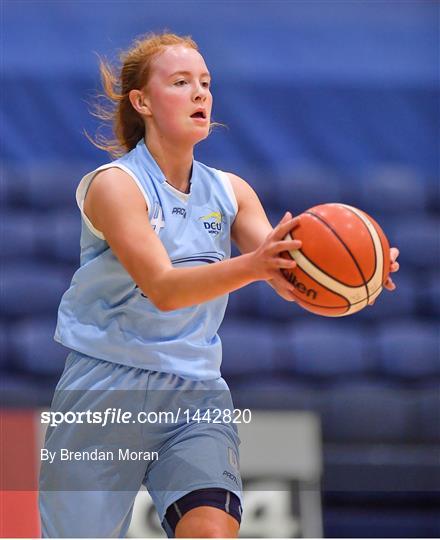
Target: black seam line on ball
{"points": [[322, 270], [347, 307], [319, 218], [325, 273], [372, 240]]}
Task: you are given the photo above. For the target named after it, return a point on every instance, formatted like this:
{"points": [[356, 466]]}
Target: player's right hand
{"points": [[266, 259]]}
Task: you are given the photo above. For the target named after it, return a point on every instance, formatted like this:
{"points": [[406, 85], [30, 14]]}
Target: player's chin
{"points": [[199, 134]]}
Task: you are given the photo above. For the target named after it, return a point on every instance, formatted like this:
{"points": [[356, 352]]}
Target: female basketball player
{"points": [[143, 309]]}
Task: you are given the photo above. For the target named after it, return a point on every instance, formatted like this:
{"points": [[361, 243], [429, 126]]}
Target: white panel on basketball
{"points": [[354, 295], [375, 283]]}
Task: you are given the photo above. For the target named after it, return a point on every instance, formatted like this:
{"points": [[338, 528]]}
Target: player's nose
{"points": [[200, 93]]}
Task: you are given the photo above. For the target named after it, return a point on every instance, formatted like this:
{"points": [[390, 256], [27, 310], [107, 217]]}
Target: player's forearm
{"points": [[177, 288]]}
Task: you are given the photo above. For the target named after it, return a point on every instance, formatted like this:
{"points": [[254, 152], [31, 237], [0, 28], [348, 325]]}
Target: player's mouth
{"points": [[200, 115]]}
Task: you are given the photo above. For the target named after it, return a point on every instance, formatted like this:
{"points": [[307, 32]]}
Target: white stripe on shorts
{"points": [[177, 509]]}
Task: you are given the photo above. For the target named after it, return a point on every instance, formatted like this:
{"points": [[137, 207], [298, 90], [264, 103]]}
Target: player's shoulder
{"points": [[236, 186], [244, 194], [115, 180], [233, 178], [112, 187], [109, 176], [240, 186]]}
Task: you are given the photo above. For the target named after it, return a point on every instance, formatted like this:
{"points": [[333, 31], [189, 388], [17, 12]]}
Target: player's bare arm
{"points": [[117, 208], [251, 226]]}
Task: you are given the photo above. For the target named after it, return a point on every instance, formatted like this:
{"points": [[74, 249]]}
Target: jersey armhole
{"points": [[84, 185], [229, 189]]}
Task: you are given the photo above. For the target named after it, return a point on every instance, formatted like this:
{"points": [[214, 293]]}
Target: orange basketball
{"points": [[343, 262]]}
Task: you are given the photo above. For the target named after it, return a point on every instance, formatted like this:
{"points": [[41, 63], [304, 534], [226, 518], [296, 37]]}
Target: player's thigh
{"points": [[197, 479], [86, 443], [201, 456], [87, 487], [85, 514]]}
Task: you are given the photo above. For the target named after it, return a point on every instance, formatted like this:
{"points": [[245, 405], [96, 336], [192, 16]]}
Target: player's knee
{"points": [[212, 530], [205, 513], [204, 527]]}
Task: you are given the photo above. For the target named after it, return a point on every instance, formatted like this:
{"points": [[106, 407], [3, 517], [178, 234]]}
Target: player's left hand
{"points": [[283, 287], [394, 266], [389, 283]]}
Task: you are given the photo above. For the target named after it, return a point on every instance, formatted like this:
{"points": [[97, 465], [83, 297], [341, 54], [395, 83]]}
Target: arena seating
{"points": [[373, 378], [338, 130]]}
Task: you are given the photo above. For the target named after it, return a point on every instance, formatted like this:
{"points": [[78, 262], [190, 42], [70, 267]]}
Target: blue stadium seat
{"points": [[12, 185], [18, 390], [32, 288], [18, 235], [4, 348], [400, 303], [4, 195], [428, 414], [367, 413], [53, 235], [243, 302], [428, 294], [248, 348], [272, 307], [33, 349], [380, 521], [276, 393], [393, 189], [300, 188], [275, 214], [434, 195], [53, 184], [59, 236], [417, 238], [264, 183], [325, 349], [408, 349]]}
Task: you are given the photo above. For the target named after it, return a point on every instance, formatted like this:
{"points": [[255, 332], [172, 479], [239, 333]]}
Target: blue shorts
{"points": [[176, 437]]}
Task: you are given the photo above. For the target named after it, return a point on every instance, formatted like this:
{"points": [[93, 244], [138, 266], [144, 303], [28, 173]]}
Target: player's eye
{"points": [[206, 84], [180, 83]]}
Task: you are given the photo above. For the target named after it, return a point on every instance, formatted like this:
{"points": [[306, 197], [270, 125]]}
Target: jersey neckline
{"points": [[153, 168]]}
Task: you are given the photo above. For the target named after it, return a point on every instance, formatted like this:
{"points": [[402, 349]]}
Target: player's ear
{"points": [[139, 102]]}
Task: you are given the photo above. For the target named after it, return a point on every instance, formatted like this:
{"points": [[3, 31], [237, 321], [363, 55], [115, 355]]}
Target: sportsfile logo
{"points": [[213, 222]]}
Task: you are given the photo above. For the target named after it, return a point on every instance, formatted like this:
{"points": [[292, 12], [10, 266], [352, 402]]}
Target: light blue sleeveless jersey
{"points": [[105, 315]]}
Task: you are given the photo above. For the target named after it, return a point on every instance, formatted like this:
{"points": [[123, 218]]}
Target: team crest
{"points": [[213, 222]]}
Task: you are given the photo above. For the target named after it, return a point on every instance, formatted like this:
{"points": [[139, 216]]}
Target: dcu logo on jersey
{"points": [[213, 222]]}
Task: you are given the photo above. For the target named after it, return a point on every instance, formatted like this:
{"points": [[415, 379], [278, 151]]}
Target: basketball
{"points": [[343, 263]]}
